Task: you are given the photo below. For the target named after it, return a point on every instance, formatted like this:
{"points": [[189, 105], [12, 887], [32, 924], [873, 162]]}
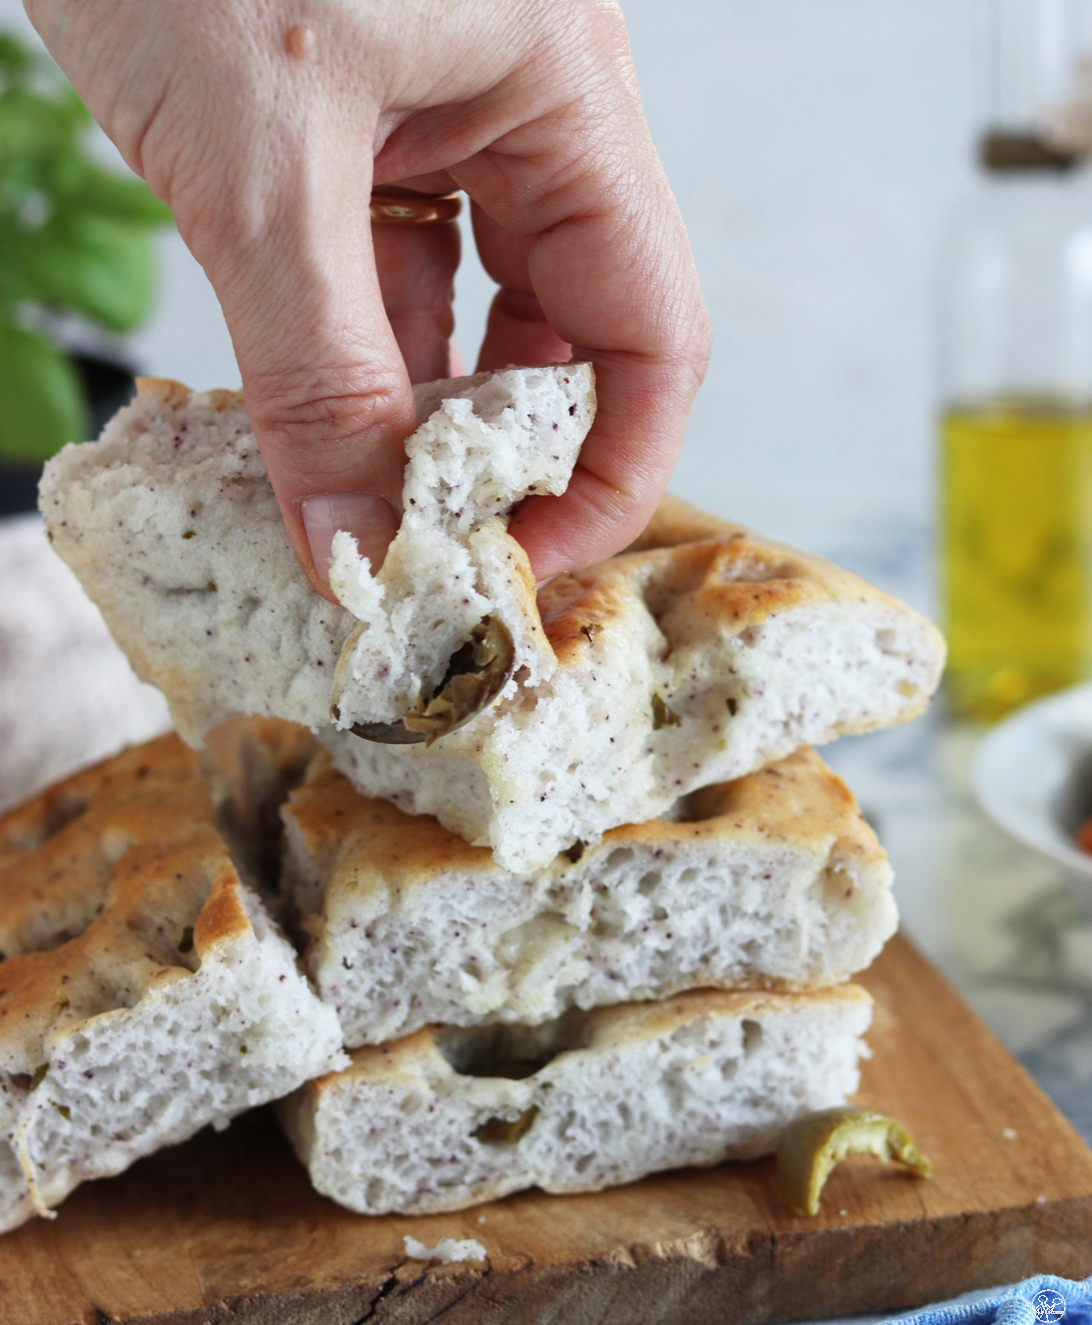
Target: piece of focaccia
{"points": [[699, 655], [774, 880], [144, 991], [170, 523], [446, 1118]]}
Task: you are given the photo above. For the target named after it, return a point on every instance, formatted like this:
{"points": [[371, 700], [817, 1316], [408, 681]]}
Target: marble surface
{"points": [[1008, 928]]}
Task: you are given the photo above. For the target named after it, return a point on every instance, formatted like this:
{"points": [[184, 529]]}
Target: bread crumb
{"points": [[446, 1250], [1009, 1133]]}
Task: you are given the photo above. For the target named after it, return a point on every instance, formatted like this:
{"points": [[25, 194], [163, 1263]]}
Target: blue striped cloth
{"points": [[1044, 1300]]}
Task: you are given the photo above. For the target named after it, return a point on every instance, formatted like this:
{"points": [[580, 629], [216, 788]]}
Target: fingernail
{"points": [[368, 517]]}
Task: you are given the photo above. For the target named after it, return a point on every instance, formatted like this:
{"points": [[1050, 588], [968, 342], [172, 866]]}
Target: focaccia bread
{"points": [[144, 991], [703, 653], [774, 880], [448, 1118], [170, 523]]}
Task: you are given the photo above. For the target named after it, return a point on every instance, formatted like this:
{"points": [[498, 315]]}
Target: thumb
{"points": [[330, 402], [347, 426], [332, 436], [326, 387]]}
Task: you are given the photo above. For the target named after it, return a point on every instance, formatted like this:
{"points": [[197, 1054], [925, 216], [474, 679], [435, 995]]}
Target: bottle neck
{"points": [[1035, 50], [1009, 152], [1034, 46]]}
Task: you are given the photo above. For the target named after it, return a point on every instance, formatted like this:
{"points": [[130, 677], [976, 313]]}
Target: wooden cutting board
{"points": [[226, 1227]]}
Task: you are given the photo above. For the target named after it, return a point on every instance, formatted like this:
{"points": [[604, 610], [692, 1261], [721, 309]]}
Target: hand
{"points": [[263, 124]]}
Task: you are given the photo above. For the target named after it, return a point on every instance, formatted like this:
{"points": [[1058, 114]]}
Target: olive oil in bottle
{"points": [[1015, 378], [1016, 551]]}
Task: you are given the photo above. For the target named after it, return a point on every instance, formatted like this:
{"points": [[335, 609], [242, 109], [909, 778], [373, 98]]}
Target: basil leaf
{"points": [[33, 128], [73, 235], [14, 285], [14, 56], [93, 266], [96, 192], [43, 402]]}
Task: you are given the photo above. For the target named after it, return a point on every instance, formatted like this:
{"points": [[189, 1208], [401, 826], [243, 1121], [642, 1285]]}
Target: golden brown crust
{"points": [[373, 836], [166, 391], [222, 399], [26, 826], [797, 797], [698, 576], [223, 913], [361, 841], [110, 882]]}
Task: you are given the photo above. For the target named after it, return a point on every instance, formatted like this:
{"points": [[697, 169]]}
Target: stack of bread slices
{"points": [[597, 921]]}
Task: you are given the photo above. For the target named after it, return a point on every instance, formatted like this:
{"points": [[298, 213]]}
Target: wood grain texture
{"points": [[226, 1227]]}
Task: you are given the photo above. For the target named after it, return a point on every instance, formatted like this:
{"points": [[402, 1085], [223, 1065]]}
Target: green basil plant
{"points": [[74, 238]]}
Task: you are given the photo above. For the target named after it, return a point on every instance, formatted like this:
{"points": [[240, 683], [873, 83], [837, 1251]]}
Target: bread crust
{"points": [[798, 799], [440, 1120], [121, 910], [772, 881], [700, 576], [698, 655]]}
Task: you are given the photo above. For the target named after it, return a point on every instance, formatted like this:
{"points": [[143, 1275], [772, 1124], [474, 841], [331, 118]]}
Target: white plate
{"points": [[1033, 776]]}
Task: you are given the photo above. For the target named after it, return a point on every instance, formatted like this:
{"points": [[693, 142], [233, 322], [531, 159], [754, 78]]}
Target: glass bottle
{"points": [[1016, 426]]}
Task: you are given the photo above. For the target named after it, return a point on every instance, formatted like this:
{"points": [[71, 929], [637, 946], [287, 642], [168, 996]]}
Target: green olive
{"points": [[503, 1131], [663, 715], [809, 1148], [475, 676]]}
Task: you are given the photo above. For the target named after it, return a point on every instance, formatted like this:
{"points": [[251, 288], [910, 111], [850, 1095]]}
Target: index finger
{"points": [[595, 235]]}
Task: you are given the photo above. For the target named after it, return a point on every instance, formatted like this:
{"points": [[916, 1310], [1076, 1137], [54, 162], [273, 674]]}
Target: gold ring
{"points": [[401, 207]]}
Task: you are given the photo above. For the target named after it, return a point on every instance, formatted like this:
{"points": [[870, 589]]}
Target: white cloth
{"points": [[67, 694]]}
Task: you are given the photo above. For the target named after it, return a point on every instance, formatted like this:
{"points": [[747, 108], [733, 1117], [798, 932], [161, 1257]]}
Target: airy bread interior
{"points": [[170, 523], [445, 1119], [772, 881], [682, 663], [485, 443]]}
